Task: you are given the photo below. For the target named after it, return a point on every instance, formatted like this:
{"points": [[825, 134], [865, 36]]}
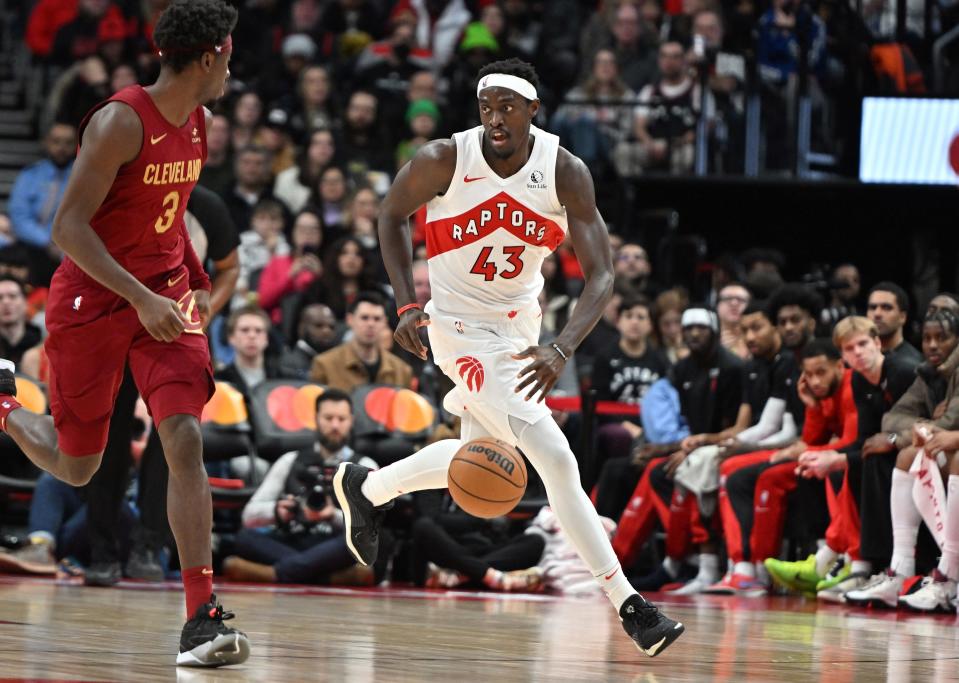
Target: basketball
{"points": [[487, 477]]}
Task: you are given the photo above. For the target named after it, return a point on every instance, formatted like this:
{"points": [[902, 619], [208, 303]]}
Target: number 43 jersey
{"points": [[487, 236], [141, 219]]}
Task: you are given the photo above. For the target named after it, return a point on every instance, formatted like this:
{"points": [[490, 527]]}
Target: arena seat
{"points": [[225, 427], [283, 416]]}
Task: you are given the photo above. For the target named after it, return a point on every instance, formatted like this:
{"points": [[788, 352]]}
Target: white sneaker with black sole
{"points": [[934, 595], [882, 590]]}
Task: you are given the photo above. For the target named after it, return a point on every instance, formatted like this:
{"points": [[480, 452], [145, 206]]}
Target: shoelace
{"points": [[647, 615], [217, 614]]}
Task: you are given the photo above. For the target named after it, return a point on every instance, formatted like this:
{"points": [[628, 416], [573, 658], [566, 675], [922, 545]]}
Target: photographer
{"points": [[293, 532]]}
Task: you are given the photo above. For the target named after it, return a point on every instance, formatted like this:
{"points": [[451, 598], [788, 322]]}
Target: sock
{"points": [[905, 524], [198, 587], [949, 562], [43, 537], [861, 567], [745, 569], [762, 574], [708, 568], [615, 584], [493, 578], [425, 469], [671, 566], [825, 558], [7, 405]]}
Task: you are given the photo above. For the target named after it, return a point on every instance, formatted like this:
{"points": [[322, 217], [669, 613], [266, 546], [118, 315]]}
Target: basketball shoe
{"points": [[738, 584], [206, 641], [651, 630], [800, 576], [935, 595], [361, 520], [837, 591], [882, 590]]}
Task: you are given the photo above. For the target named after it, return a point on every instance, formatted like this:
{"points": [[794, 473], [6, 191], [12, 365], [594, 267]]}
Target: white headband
{"points": [[700, 316], [515, 83]]}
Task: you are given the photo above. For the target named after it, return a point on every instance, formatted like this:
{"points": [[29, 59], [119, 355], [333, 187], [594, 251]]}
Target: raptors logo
{"points": [[471, 370]]}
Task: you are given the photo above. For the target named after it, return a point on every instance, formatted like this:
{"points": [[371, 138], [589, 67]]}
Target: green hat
{"points": [[477, 35], [418, 107]]}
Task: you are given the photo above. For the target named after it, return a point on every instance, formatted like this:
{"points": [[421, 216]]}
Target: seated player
{"points": [[753, 502], [877, 382], [932, 401]]}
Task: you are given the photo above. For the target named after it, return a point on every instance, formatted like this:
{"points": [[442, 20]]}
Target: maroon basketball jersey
{"points": [[141, 219]]}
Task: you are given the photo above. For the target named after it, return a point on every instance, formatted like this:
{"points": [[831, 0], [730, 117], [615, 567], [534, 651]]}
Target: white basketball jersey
{"points": [[487, 236]]}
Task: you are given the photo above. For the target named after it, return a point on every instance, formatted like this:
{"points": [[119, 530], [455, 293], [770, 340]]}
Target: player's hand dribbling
{"points": [[407, 332], [542, 373], [161, 317]]}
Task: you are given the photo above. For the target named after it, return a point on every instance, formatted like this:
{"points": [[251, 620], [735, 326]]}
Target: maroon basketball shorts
{"points": [[93, 335]]}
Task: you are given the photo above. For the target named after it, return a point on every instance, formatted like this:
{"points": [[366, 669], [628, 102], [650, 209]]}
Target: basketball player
{"points": [[132, 290], [500, 198]]}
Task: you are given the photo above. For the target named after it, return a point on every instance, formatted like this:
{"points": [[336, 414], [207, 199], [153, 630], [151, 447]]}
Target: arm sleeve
{"points": [[769, 422], [784, 436], [260, 511], [198, 277]]}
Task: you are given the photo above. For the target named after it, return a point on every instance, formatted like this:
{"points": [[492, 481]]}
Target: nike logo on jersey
{"points": [[154, 140], [467, 179], [172, 281]]}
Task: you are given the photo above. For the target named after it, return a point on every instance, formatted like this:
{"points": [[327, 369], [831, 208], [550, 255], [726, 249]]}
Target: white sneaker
{"points": [[882, 590], [693, 587], [838, 592], [935, 594]]}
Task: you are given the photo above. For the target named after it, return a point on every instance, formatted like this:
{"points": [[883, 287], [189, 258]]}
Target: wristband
{"points": [[407, 307], [559, 351]]}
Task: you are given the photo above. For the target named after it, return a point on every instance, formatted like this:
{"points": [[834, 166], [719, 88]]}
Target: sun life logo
{"points": [[536, 181]]}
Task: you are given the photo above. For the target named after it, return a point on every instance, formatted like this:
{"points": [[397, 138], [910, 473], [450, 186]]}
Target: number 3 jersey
{"points": [[141, 219], [487, 236]]}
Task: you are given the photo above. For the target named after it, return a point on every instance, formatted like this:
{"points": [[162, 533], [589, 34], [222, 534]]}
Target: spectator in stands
{"points": [[259, 245], [287, 275], [360, 141], [888, 308], [347, 271], [732, 301], [279, 83], [363, 211], [667, 315], [438, 25], [17, 334], [313, 109], [36, 195], [631, 41], [96, 22], [81, 87], [710, 383], [246, 117], [603, 335], [665, 122], [597, 114], [556, 293], [631, 262], [943, 300], [455, 549], [248, 333], [253, 183], [421, 282], [292, 528], [361, 360], [477, 49], [274, 136], [844, 285], [316, 334], [294, 186], [795, 308], [422, 120], [329, 200], [217, 173]]}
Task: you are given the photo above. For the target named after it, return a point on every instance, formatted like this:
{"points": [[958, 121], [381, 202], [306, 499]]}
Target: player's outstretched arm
{"points": [[427, 175], [111, 139], [574, 187]]}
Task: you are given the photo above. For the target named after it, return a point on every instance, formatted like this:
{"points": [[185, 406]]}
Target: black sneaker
{"points": [[206, 641], [143, 564], [650, 629], [103, 574], [361, 520], [8, 380]]}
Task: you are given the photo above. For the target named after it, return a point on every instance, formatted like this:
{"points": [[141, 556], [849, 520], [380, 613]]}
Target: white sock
{"points": [[547, 449], [825, 558], [425, 469], [708, 568], [905, 524], [745, 569], [949, 562], [861, 567], [671, 566]]}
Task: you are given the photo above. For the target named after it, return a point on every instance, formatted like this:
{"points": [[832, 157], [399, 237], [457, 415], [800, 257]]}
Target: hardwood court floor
{"points": [[51, 631]]}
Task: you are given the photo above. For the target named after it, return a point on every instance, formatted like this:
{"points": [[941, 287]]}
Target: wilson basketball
{"points": [[487, 477]]}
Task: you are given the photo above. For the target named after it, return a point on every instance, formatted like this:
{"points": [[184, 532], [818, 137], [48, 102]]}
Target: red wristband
{"points": [[407, 307]]}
